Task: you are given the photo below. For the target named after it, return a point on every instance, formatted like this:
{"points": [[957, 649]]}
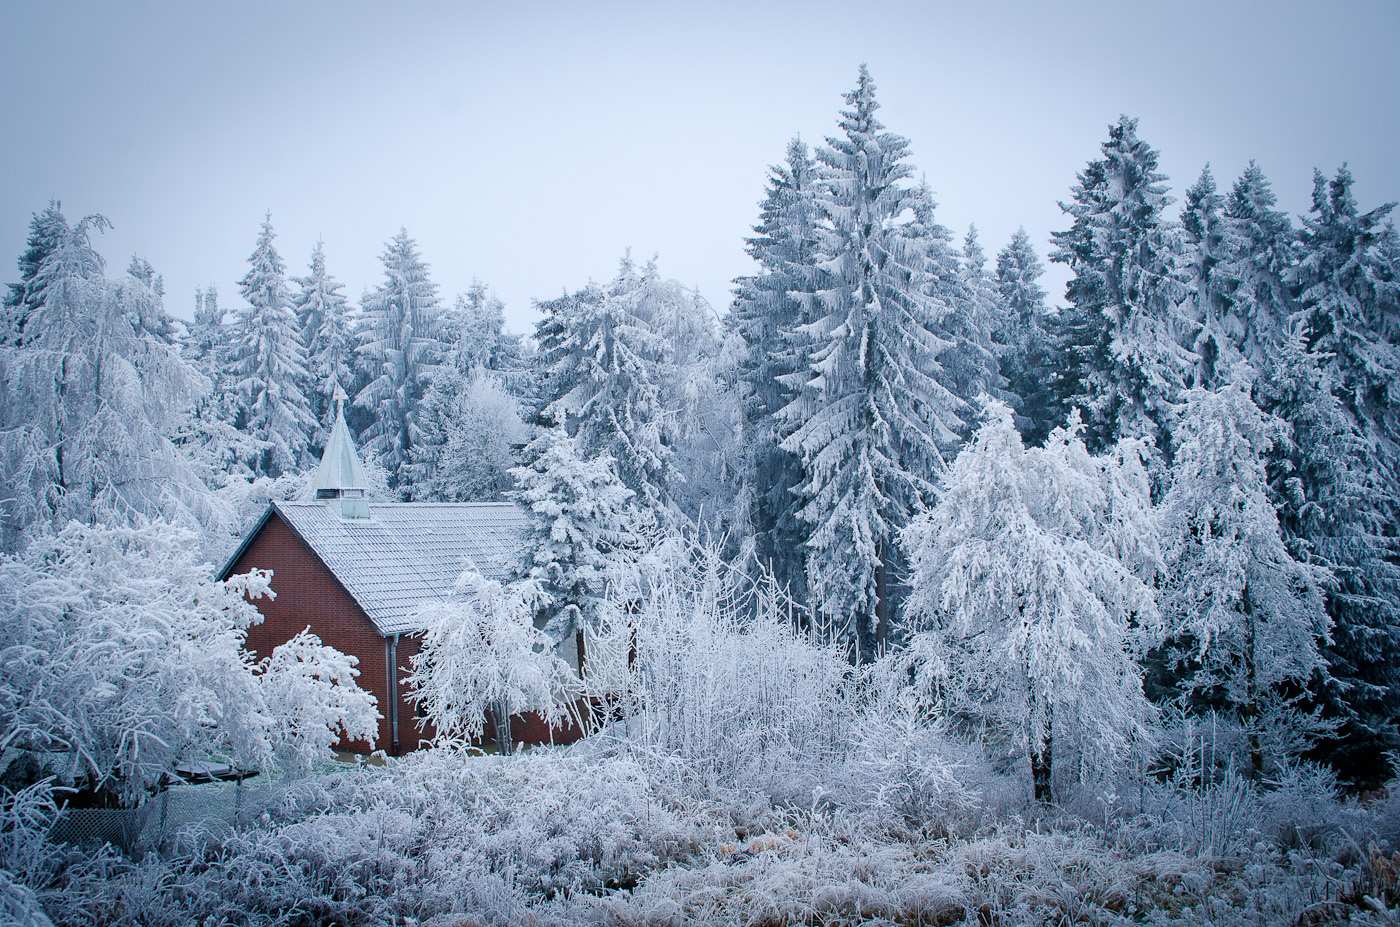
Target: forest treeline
{"points": [[1179, 487]]}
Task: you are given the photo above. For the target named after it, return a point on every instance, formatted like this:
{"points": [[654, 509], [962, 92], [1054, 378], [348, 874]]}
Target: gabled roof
{"points": [[408, 553]]}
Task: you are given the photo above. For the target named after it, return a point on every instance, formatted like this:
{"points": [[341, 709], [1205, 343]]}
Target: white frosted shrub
{"points": [[720, 675]]}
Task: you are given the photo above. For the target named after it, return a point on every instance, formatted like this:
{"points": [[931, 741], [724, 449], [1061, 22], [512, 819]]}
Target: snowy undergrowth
{"points": [[607, 836]]}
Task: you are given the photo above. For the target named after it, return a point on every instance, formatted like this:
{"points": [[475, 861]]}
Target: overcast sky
{"points": [[529, 144]]}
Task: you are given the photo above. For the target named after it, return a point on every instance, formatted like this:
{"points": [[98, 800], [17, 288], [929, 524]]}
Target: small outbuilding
{"points": [[356, 571]]}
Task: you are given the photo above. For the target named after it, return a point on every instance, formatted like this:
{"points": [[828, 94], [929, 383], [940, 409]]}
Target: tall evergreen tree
{"points": [[974, 361], [1331, 495], [1209, 286], [605, 366], [1350, 297], [871, 422], [1248, 616], [478, 337], [401, 345], [585, 534], [768, 309], [47, 231], [1342, 491], [270, 363], [89, 399], [1025, 343], [1261, 252], [1120, 341], [323, 318]]}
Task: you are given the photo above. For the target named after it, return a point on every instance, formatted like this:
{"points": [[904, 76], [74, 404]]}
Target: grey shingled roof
{"points": [[409, 553]]}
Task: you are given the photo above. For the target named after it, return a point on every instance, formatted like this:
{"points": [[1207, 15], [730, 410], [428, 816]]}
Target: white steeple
{"points": [[341, 477]]}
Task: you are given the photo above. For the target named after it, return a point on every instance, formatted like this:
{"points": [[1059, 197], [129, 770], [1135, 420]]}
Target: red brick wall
{"points": [[307, 595], [414, 731]]}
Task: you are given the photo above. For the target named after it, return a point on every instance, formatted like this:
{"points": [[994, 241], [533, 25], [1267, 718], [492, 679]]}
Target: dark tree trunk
{"points": [[1041, 763]]}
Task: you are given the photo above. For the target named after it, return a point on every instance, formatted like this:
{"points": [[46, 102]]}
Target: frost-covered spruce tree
{"points": [[975, 361], [207, 345], [768, 309], [1332, 498], [323, 318], [470, 426], [1022, 335], [585, 534], [478, 337], [1024, 618], [1207, 245], [400, 346], [969, 365], [871, 421], [1350, 295], [1245, 618], [90, 399], [1120, 341], [1260, 254], [47, 232], [269, 361], [605, 369]]}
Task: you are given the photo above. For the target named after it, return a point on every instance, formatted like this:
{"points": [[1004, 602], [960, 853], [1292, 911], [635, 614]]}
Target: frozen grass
{"points": [[609, 835]]}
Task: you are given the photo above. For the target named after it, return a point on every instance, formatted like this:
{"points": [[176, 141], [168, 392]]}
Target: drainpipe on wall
{"points": [[391, 660]]}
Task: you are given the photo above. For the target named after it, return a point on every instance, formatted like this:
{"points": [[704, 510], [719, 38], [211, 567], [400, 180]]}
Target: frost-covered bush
{"points": [[586, 836], [719, 674], [121, 655], [478, 840], [26, 817]]}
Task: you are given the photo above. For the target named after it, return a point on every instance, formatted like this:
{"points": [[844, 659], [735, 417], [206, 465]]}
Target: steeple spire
{"points": [[341, 477]]}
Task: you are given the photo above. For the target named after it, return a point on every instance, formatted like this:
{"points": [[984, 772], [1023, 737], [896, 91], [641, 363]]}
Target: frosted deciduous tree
{"points": [[472, 434], [309, 691], [122, 656], [482, 653], [1120, 341], [1025, 617], [91, 396], [871, 421], [1246, 616], [269, 361], [585, 535], [400, 347]]}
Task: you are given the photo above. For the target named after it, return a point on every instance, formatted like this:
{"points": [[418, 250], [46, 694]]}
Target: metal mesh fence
{"points": [[132, 829]]}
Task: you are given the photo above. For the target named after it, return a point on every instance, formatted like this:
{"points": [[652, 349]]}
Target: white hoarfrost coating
{"points": [[341, 475]]}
